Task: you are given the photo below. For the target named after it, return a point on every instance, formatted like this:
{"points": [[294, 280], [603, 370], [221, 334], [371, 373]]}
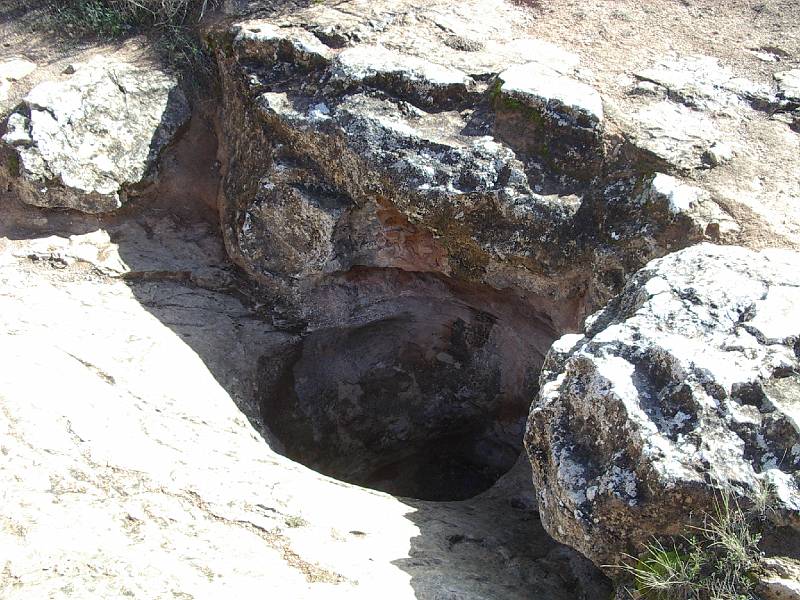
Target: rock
{"points": [[373, 147], [543, 112], [16, 69], [197, 500], [780, 579], [701, 82], [719, 153], [677, 135], [789, 85], [261, 39], [683, 388], [94, 139], [541, 88], [403, 206], [403, 209], [407, 77], [13, 70], [690, 204]]}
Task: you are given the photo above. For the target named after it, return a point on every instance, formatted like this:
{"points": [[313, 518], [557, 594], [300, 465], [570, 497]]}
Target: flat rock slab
{"points": [[92, 140], [537, 85], [13, 70], [789, 85]]}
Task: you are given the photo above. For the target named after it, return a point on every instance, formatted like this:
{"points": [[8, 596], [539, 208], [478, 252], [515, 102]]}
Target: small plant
{"points": [[719, 562], [96, 16], [294, 521], [173, 22], [667, 573]]}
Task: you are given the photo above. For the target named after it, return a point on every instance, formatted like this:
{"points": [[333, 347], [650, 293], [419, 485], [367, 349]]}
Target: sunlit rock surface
{"points": [[684, 387], [90, 140]]}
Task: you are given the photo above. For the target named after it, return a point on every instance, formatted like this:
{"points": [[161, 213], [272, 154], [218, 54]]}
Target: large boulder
{"points": [[91, 140], [458, 146], [684, 387]]}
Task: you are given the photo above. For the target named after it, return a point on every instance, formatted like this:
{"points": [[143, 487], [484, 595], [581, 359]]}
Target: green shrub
{"points": [[719, 562]]}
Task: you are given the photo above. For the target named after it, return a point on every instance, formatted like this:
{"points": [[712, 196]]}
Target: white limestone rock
{"points": [[417, 79], [684, 201], [789, 85], [678, 135], [13, 70], [780, 579], [262, 39], [702, 82], [91, 140], [538, 86], [683, 387]]}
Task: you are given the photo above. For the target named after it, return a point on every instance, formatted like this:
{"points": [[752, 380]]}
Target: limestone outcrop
{"points": [[428, 221], [683, 388], [361, 254], [93, 139], [356, 140]]}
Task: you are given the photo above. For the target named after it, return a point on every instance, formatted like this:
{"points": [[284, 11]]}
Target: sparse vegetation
{"points": [[296, 521], [719, 562], [172, 21]]}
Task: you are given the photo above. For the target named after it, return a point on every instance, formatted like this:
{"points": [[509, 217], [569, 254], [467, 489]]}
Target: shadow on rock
{"points": [[167, 247]]}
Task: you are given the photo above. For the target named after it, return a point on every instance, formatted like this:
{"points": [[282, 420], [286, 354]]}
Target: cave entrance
{"points": [[421, 392]]}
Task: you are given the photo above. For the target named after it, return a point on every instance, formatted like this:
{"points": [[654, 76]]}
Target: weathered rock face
{"points": [[789, 96], [93, 139], [686, 385], [370, 146]]}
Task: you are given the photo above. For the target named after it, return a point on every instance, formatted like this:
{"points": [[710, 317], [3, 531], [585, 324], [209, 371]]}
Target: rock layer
{"points": [[369, 149], [684, 387]]}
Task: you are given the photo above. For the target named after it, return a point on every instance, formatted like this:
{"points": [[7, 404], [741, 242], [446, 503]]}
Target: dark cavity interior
{"points": [[420, 389]]}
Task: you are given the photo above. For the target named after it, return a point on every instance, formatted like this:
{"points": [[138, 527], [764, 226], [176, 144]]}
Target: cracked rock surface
{"points": [[684, 386], [371, 142], [92, 139]]}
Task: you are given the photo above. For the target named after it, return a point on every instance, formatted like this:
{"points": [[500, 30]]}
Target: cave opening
{"points": [[415, 386]]}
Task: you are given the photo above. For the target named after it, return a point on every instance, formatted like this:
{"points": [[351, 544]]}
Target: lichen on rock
{"points": [[683, 388]]}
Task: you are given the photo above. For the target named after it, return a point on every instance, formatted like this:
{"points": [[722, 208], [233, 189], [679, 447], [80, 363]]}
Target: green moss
{"points": [[504, 102], [494, 92], [295, 521], [13, 165]]}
